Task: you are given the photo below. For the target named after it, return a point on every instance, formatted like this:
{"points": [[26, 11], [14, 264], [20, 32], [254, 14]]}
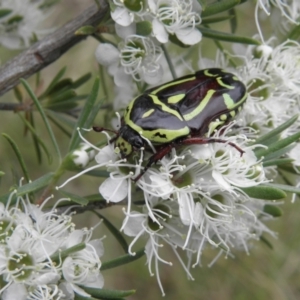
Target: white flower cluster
{"points": [[20, 22], [32, 264], [271, 74], [137, 56], [192, 199]]}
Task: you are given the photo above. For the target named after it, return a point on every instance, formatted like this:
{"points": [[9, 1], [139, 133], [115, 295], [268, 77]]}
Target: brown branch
{"points": [[46, 51]]}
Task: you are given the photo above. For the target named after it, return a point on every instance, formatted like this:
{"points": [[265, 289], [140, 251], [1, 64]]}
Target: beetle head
{"points": [[128, 141]]}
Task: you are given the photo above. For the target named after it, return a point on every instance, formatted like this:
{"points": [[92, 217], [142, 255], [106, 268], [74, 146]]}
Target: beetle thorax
{"points": [[128, 140]]}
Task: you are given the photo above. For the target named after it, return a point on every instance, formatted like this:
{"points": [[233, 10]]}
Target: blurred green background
{"points": [[264, 274]]}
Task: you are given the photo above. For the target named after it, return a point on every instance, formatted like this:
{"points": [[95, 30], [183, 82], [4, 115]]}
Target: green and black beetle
{"points": [[184, 111]]}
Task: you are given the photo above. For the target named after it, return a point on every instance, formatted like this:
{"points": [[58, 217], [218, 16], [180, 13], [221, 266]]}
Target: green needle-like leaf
{"points": [[287, 188], [88, 107], [64, 253], [233, 20], [265, 192], [35, 185], [116, 232], [294, 34], [278, 130], [277, 162], [125, 259], [215, 19], [75, 198], [63, 129], [227, 37], [18, 154], [278, 146], [55, 80], [107, 294], [219, 6], [44, 117], [38, 139], [266, 242], [4, 12], [81, 80], [273, 210]]}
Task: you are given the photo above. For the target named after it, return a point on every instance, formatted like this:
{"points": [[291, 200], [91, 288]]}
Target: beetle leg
{"points": [[100, 129], [161, 153], [201, 141]]}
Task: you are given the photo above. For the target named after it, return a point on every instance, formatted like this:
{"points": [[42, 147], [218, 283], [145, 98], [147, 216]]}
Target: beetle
{"points": [[184, 111]]}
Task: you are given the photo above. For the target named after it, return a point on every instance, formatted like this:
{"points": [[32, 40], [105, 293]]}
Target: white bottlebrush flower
{"points": [[83, 268], [29, 239], [177, 18], [18, 28], [287, 8], [137, 57], [165, 230], [123, 11]]}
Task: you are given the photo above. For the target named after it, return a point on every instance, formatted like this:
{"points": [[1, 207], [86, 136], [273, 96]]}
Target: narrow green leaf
{"points": [[85, 30], [38, 139], [35, 185], [2, 173], [58, 76], [60, 86], [277, 146], [60, 97], [62, 129], [15, 19], [94, 113], [277, 162], [4, 12], [4, 198], [18, 94], [81, 123], [75, 198], [18, 154], [290, 169], [122, 260], [79, 297], [61, 118], [64, 253], [273, 210], [287, 188], [279, 153], [215, 20], [218, 7], [107, 294], [43, 115], [47, 3], [266, 242], [227, 37], [96, 197], [294, 34], [233, 20], [64, 106], [36, 143], [81, 80], [276, 131], [265, 192], [116, 232]]}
